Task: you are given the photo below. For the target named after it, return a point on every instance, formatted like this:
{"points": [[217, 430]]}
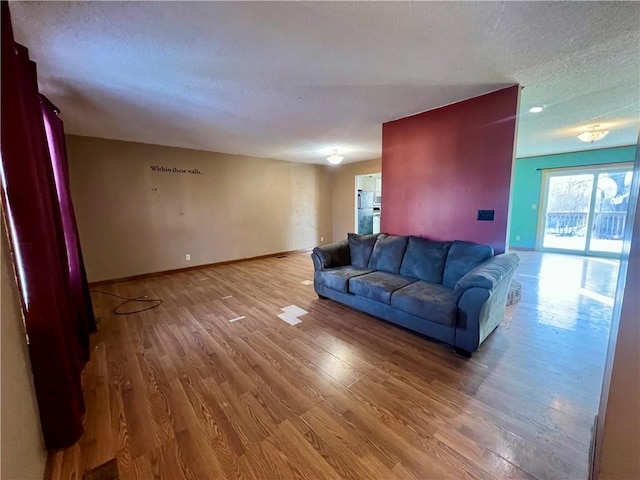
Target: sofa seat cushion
{"points": [[378, 286], [431, 301], [338, 278]]}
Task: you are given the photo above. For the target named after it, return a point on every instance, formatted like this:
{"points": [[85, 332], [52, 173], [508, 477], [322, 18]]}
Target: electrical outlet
{"points": [[534, 206], [322, 239], [517, 238], [187, 257]]}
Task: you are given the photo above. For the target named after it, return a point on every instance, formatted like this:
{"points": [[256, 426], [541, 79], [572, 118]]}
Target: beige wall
{"points": [[343, 202], [22, 453], [619, 428], [133, 220]]}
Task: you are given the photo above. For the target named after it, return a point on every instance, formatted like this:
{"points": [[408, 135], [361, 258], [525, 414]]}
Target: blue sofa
{"points": [[454, 292]]}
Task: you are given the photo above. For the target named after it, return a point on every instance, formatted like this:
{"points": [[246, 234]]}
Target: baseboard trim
{"points": [[142, 276], [522, 249]]}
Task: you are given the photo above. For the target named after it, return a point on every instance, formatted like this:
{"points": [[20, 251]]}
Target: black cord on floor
{"points": [[156, 301]]}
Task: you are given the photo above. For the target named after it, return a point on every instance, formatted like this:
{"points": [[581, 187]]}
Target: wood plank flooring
{"points": [[180, 392]]}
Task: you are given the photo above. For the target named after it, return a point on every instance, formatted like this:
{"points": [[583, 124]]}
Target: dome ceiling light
{"points": [[334, 158], [592, 134]]}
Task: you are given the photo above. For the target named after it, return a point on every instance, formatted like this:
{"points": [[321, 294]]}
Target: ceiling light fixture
{"points": [[334, 158], [536, 109], [591, 134]]}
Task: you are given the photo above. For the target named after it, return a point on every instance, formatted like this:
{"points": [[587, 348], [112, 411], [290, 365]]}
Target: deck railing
{"points": [[609, 225]]}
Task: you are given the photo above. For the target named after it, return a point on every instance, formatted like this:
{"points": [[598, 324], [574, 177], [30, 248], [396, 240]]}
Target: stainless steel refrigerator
{"points": [[365, 212]]}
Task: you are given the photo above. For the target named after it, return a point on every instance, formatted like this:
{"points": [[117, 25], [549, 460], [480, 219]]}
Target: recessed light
{"points": [[536, 109]]}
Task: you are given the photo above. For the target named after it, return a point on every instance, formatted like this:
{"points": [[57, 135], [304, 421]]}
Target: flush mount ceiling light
{"points": [[334, 158], [536, 109], [592, 134]]}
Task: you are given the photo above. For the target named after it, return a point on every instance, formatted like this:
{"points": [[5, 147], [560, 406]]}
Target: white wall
{"points": [[618, 442], [22, 453], [133, 220]]}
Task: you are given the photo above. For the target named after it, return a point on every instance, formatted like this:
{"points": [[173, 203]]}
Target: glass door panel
{"points": [[610, 211], [567, 206]]}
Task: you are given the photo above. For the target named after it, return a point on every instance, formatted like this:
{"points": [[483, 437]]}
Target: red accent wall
{"points": [[440, 167]]}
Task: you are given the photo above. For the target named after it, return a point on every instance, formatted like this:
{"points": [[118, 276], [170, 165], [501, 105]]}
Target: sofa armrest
{"points": [[489, 274], [332, 255], [482, 300]]}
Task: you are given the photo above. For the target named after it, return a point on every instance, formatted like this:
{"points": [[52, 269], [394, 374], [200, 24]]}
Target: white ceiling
{"points": [[291, 80]]}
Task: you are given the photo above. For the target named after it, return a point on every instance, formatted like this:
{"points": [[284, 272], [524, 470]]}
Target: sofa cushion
{"points": [[360, 247], [425, 259], [338, 278], [430, 301], [388, 252], [489, 274], [462, 258], [378, 286]]}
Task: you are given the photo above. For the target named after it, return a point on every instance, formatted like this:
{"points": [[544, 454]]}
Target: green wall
{"points": [[527, 185]]}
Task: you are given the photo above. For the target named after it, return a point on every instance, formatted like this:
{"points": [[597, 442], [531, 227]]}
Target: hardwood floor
{"points": [[180, 392]]}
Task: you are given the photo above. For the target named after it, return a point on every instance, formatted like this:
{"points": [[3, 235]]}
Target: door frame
{"points": [[542, 211], [355, 196]]}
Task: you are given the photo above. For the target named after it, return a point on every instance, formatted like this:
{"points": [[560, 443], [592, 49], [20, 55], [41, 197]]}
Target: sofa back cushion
{"points": [[360, 248], [425, 259], [388, 252], [462, 258]]}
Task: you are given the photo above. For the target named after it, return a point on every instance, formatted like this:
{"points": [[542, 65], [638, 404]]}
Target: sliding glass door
{"points": [[584, 210]]}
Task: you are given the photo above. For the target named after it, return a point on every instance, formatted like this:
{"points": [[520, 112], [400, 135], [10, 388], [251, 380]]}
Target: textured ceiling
{"points": [[291, 80]]}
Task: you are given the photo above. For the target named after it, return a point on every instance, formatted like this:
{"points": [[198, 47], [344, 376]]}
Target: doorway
{"points": [[368, 203], [584, 209]]}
